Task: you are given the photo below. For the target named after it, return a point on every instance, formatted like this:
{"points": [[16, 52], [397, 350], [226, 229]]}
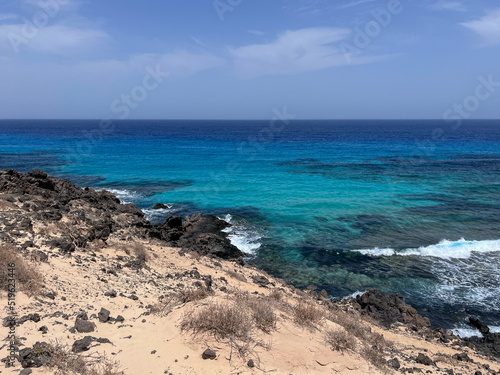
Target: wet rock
{"points": [[160, 206], [483, 328], [209, 354]]}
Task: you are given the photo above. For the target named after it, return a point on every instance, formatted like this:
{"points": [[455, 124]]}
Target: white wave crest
{"points": [[469, 332], [445, 249], [125, 196], [157, 213], [355, 294], [244, 238]]}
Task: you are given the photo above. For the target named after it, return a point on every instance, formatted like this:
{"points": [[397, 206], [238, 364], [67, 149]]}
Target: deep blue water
{"points": [[403, 206]]}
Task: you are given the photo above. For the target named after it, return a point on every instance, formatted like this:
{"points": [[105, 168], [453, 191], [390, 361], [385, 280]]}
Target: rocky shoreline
{"points": [[53, 223]]}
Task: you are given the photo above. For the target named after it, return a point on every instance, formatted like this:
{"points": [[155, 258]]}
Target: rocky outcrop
{"points": [[388, 309], [488, 343], [85, 216]]}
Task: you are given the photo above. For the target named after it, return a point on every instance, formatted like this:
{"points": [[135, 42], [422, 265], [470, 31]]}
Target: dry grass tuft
{"points": [[261, 310], [165, 306], [64, 362], [339, 340], [353, 325], [223, 320], [374, 345], [374, 356], [28, 278], [307, 314], [140, 252], [276, 295]]}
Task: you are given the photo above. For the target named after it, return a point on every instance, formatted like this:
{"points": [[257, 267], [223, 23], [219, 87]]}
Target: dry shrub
{"points": [[353, 325], [28, 278], [276, 295], [307, 314], [374, 356], [220, 319], [140, 252], [339, 340], [260, 308], [64, 362], [262, 313], [183, 296]]}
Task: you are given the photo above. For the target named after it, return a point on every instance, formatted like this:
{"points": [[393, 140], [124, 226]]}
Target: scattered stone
{"points": [[120, 319], [37, 356], [82, 345], [250, 363], [43, 329], [83, 325], [424, 360], [209, 354], [462, 357], [26, 371], [261, 281], [394, 363], [103, 315]]}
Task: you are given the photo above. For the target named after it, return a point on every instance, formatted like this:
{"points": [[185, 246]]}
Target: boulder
{"points": [[103, 315], [391, 308], [209, 354]]}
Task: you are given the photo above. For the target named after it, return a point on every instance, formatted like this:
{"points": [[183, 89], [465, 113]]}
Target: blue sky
{"points": [[240, 59]]}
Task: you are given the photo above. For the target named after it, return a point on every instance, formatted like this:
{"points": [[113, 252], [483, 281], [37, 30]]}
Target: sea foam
{"points": [[445, 249], [241, 236]]}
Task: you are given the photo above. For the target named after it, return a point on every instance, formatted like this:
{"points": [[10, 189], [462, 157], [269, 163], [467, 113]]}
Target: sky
{"points": [[245, 59]]}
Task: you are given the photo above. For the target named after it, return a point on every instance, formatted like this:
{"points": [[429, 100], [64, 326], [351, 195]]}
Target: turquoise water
{"points": [[403, 206]]}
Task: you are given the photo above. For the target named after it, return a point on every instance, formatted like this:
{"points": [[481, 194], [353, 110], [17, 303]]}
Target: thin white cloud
{"points": [[256, 32], [179, 63], [8, 16], [456, 6], [294, 52], [56, 39], [354, 3], [488, 27]]}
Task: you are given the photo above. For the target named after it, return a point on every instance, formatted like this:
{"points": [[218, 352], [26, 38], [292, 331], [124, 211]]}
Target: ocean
{"points": [[409, 207]]}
